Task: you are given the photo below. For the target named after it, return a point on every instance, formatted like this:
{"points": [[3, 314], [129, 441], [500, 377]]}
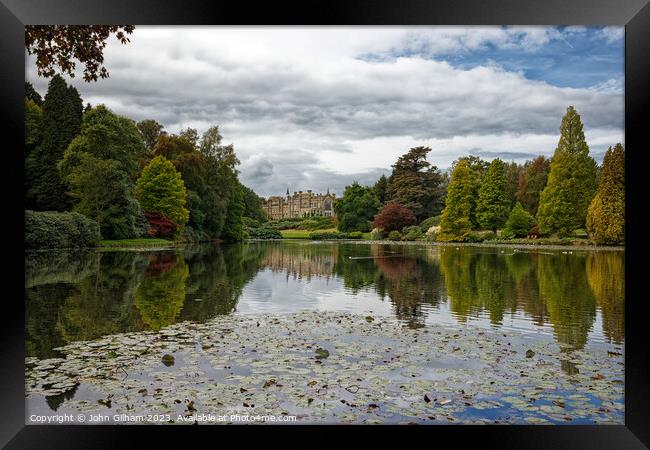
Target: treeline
{"points": [[562, 196], [134, 179]]}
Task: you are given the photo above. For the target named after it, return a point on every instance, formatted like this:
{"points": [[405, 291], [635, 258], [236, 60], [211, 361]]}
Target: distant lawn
{"points": [[302, 234], [136, 243]]}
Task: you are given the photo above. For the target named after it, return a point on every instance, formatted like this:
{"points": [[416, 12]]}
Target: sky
{"points": [[321, 107]]}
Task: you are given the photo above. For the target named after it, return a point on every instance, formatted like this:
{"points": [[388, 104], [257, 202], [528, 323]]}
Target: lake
{"points": [[572, 299]]}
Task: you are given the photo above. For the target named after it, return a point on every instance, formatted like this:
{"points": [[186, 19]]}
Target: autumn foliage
{"points": [[394, 217], [160, 226]]}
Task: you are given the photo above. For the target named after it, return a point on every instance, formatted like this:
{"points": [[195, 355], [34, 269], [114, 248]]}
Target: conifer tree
{"points": [[457, 217], [493, 203], [571, 181], [381, 189], [606, 213], [62, 111], [519, 221], [32, 95]]}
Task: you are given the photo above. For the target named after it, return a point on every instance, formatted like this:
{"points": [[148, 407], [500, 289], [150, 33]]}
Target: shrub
{"points": [[50, 229], [263, 233], [250, 222], [412, 233], [160, 226], [475, 237], [376, 234], [395, 235], [355, 235], [393, 217], [519, 222], [428, 223], [320, 236]]}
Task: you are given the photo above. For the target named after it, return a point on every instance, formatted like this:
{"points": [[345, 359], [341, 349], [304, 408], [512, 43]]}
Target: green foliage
{"points": [[606, 213], [412, 233], [428, 223], [31, 94], [150, 131], [322, 235], [355, 235], [160, 188], [263, 233], [494, 197], [33, 125], [458, 216], [62, 111], [571, 182], [519, 221], [395, 236], [253, 205], [416, 184], [532, 181], [381, 189], [233, 226], [104, 193], [357, 208], [514, 172], [50, 229]]}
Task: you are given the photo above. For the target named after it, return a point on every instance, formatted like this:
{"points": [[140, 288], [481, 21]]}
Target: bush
{"points": [[250, 222], [411, 233], [376, 234], [160, 226], [316, 223], [263, 233], [393, 217], [428, 223], [475, 237], [395, 235], [355, 235], [320, 236], [519, 222], [50, 229]]}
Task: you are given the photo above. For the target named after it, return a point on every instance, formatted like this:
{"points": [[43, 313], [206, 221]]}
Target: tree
{"points": [[381, 189], [571, 182], [191, 135], [106, 135], [394, 217], [494, 197], [33, 125], [606, 213], [31, 94], [160, 188], [514, 170], [234, 226], [59, 45], [458, 216], [532, 181], [160, 226], [519, 221], [104, 192], [356, 209], [62, 111], [415, 183], [253, 205], [150, 131]]}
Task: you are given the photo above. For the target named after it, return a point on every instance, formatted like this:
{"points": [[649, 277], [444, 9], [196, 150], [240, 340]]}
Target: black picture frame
{"points": [[633, 14]]}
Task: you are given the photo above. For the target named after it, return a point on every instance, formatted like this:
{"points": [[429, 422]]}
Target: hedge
{"points": [[321, 236], [49, 229], [263, 233]]}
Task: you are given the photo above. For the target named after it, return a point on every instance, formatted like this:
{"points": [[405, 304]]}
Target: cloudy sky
{"points": [[319, 107]]}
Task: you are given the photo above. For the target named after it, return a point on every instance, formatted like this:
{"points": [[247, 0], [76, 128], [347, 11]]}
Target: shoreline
{"points": [[459, 244]]}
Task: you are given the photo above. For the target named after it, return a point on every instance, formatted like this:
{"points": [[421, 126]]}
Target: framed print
{"points": [[362, 215]]}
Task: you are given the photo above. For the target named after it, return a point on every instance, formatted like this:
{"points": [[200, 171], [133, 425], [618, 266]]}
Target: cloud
{"points": [[612, 34], [309, 108]]}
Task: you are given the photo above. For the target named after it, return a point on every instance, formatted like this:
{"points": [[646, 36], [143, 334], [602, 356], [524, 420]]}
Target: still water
{"points": [[575, 298]]}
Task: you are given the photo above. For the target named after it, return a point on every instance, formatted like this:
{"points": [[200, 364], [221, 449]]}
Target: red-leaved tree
{"points": [[394, 217], [160, 226]]}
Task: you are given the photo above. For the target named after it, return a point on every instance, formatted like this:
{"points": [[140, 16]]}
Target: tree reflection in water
{"points": [[82, 296]]}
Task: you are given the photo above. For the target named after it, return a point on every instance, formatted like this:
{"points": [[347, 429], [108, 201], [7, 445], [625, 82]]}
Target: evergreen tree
{"points": [[357, 208], [519, 221], [33, 126], [31, 94], [571, 182], [494, 197], [606, 213], [532, 181], [62, 111], [415, 183], [458, 215], [514, 170], [381, 189], [160, 188]]}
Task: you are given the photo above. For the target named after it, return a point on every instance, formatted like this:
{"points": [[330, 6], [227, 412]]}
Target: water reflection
{"points": [[82, 296]]}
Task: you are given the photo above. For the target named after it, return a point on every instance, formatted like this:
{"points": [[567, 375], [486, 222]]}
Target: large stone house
{"points": [[300, 204]]}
